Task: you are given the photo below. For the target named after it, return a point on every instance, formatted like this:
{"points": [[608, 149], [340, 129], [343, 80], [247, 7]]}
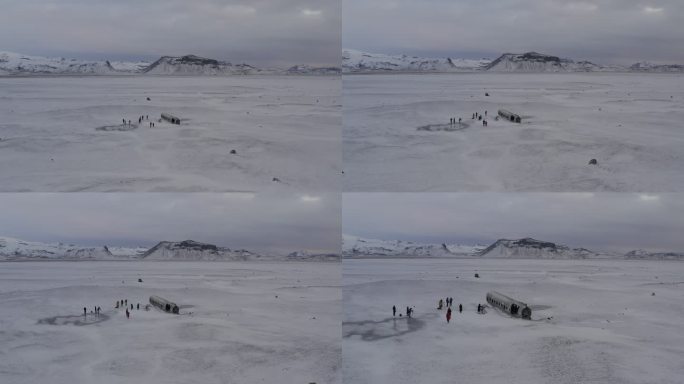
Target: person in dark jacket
{"points": [[460, 308], [394, 310]]}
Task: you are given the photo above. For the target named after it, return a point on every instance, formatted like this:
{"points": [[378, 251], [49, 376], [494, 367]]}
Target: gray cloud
{"points": [[279, 224], [604, 221], [605, 31], [260, 32]]}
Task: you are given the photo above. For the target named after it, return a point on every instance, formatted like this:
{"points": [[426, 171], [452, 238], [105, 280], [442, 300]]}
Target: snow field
{"points": [[56, 134], [605, 326], [629, 122], [239, 323]]}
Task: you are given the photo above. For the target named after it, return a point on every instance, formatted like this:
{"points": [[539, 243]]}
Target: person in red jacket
{"points": [[448, 314]]}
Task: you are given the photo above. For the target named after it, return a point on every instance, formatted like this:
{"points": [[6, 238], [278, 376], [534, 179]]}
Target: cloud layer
{"points": [[604, 221], [278, 224], [606, 31], [260, 32]]}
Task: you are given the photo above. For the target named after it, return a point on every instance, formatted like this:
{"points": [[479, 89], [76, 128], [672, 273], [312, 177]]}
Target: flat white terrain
{"points": [[397, 135], [592, 322], [238, 323], [66, 134]]}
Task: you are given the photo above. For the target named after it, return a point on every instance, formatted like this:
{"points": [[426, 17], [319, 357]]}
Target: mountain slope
{"points": [[645, 66], [529, 248], [353, 246], [192, 250], [640, 254], [537, 62], [303, 69], [15, 249], [17, 64], [195, 65], [358, 61]]}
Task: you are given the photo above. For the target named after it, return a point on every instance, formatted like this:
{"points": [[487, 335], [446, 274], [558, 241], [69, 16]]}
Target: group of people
{"points": [[141, 118], [409, 311], [479, 117], [476, 116], [449, 301], [124, 304], [95, 311]]}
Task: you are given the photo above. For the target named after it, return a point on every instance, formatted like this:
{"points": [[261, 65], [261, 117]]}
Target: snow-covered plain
{"points": [[238, 323], [397, 135], [66, 134], [605, 326]]}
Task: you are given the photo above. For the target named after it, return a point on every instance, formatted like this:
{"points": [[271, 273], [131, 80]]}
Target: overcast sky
{"points": [[278, 224], [258, 32], [604, 31], [601, 222]]}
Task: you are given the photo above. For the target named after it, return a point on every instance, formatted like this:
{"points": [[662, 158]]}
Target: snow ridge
{"points": [[537, 62], [14, 63], [358, 61], [12, 249], [195, 65], [529, 248], [15, 249], [353, 246], [354, 61], [188, 65], [525, 248]]}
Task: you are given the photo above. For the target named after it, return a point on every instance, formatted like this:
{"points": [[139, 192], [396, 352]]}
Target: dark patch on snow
{"points": [[120, 127], [77, 320], [443, 127], [374, 330]]}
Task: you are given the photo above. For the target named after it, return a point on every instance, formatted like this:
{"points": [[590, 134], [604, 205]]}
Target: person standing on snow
{"points": [[460, 308], [448, 315], [394, 310]]}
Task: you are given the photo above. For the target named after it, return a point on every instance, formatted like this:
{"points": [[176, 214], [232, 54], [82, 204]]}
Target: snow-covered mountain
{"points": [[308, 256], [641, 254], [17, 64], [526, 248], [529, 248], [358, 61], [195, 65], [191, 65], [196, 251], [354, 61], [303, 69], [353, 246], [645, 66], [537, 62], [12, 249], [15, 249]]}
